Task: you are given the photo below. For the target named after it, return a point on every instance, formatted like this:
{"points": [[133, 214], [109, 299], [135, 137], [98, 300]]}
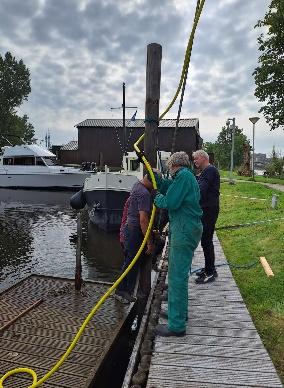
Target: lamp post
{"points": [[232, 127], [253, 120]]}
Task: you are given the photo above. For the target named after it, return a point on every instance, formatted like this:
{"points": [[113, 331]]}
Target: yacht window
{"points": [[24, 161], [39, 161], [134, 165], [50, 161], [8, 161]]}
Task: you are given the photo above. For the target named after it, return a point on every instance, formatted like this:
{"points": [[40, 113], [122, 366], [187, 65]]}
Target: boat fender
{"points": [[78, 200]]}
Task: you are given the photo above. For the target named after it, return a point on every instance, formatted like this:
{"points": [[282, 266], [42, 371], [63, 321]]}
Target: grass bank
{"points": [[258, 178], [263, 296]]}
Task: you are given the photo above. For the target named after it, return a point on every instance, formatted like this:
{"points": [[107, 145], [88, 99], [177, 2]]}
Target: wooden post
{"points": [[78, 273], [153, 81]]}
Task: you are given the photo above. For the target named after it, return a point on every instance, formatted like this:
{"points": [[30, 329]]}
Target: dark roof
{"points": [[71, 146], [138, 123]]}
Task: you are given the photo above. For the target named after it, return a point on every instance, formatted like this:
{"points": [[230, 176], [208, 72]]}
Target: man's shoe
{"points": [[205, 278], [201, 272], [164, 314], [163, 331]]}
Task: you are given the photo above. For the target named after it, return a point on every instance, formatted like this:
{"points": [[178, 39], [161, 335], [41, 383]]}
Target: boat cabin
{"points": [[132, 166], [27, 155]]}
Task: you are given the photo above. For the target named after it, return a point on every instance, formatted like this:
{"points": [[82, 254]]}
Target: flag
{"points": [[134, 116]]}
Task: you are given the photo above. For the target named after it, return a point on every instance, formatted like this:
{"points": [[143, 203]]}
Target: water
{"points": [[38, 234]]}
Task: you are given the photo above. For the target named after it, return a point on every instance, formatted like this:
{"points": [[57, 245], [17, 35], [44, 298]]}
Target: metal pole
{"points": [[232, 151], [253, 125], [123, 119]]}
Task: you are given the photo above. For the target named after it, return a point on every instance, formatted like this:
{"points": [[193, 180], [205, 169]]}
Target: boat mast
{"points": [[123, 120], [123, 106]]}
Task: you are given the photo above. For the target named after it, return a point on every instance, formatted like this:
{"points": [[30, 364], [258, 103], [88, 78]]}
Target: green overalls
{"points": [[180, 196]]}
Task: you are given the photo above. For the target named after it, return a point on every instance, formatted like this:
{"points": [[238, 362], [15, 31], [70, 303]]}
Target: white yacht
{"points": [[33, 167], [106, 192]]}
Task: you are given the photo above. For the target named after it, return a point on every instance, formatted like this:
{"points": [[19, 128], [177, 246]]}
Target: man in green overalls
{"points": [[180, 196]]}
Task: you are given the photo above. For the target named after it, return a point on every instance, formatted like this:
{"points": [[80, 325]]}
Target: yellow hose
{"points": [[36, 382]]}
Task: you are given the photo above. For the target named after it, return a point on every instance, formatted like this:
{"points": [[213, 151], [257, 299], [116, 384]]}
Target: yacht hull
{"points": [[59, 181], [105, 194]]}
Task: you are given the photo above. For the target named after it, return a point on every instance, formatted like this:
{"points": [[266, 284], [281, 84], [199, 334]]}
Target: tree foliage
{"points": [[269, 75], [14, 90], [275, 168], [222, 147]]}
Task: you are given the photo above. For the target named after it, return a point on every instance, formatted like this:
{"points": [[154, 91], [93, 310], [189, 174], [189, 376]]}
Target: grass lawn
{"points": [[258, 178], [263, 296]]}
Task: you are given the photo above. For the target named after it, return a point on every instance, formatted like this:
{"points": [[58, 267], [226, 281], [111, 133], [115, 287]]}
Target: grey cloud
{"points": [[79, 56]]}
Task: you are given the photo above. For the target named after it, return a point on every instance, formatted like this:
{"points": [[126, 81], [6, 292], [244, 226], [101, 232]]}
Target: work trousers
{"points": [[182, 246], [133, 240], [209, 218]]}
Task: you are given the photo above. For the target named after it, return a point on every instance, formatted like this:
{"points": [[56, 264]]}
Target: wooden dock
{"points": [[39, 337], [222, 348]]}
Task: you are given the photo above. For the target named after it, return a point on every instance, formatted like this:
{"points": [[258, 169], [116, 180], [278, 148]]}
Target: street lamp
{"points": [[232, 127], [253, 120]]}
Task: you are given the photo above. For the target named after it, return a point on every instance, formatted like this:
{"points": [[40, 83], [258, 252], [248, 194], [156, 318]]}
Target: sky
{"points": [[79, 52]]}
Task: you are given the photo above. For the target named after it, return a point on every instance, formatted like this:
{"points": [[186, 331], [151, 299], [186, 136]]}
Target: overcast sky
{"points": [[80, 51]]}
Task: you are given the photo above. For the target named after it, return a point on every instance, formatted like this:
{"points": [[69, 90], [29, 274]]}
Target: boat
{"points": [[33, 167], [105, 192]]}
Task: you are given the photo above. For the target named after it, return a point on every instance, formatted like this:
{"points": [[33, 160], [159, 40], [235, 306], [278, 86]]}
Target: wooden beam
{"points": [[266, 267], [2, 328]]}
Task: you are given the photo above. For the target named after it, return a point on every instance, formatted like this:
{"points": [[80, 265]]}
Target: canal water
{"points": [[38, 234]]}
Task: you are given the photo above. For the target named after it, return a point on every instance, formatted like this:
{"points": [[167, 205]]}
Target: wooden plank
{"points": [[160, 383], [221, 332], [192, 374], [203, 350], [221, 348], [216, 341], [211, 362]]}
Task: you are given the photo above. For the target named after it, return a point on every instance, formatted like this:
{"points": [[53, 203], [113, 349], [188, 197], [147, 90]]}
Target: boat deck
{"points": [[222, 348], [52, 314]]}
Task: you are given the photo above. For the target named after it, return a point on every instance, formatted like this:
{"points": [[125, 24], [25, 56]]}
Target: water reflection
{"points": [[102, 253], [38, 235]]}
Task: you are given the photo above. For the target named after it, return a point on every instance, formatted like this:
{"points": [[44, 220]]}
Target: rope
{"points": [[182, 92], [232, 265], [187, 57], [248, 224]]}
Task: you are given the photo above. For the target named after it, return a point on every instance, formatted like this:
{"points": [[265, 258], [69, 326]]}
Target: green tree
{"points": [[276, 165], [14, 89], [223, 147], [269, 74], [209, 147]]}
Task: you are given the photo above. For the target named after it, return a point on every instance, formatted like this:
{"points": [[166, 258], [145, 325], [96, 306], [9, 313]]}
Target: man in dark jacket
{"points": [[209, 185], [134, 229]]}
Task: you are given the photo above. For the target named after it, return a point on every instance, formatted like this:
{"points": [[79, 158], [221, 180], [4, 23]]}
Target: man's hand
{"points": [[150, 248], [154, 193]]}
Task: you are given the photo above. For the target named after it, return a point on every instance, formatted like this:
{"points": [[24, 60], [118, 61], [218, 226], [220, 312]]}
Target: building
{"points": [[69, 154], [101, 140]]}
